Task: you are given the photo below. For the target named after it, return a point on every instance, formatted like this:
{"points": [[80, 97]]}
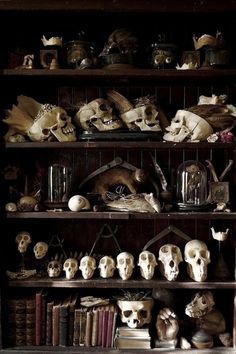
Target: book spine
{"points": [[20, 322], [76, 335], [88, 329], [63, 325], [38, 317], [55, 325], [49, 323], [94, 328], [30, 321], [11, 321]]}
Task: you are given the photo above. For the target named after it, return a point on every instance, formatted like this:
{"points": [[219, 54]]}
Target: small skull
{"points": [[97, 115], [142, 118], [70, 266], [87, 266], [125, 265], [106, 267], [147, 263], [40, 249], [170, 256], [54, 268], [136, 313], [201, 304], [197, 255], [23, 239]]}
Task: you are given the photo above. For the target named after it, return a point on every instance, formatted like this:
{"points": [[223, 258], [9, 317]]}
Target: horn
{"points": [[122, 104]]}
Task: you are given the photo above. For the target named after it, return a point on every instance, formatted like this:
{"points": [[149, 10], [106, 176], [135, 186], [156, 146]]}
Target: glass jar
{"points": [[59, 184]]}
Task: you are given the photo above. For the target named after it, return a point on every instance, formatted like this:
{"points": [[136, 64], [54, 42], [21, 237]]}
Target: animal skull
{"points": [[87, 266], [106, 267], [189, 125], [70, 266], [23, 239], [52, 121], [125, 265], [201, 304], [147, 263], [197, 255], [54, 268], [170, 256], [97, 115], [142, 118], [40, 249], [136, 313]]}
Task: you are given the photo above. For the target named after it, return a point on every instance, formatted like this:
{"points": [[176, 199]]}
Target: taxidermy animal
{"points": [[118, 176]]}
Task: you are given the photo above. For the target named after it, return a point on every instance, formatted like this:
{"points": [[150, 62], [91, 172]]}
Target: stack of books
{"points": [[132, 338]]}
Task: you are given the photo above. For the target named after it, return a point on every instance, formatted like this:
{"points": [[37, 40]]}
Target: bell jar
{"points": [[191, 186]]}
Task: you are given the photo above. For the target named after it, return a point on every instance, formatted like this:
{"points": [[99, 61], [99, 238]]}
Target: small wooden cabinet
{"points": [[66, 87]]}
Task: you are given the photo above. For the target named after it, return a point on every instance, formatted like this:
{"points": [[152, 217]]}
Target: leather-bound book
{"points": [[40, 317], [49, 308], [20, 321], [30, 320], [63, 324], [82, 327], [76, 334], [95, 328], [88, 328], [11, 323], [55, 324], [71, 315]]}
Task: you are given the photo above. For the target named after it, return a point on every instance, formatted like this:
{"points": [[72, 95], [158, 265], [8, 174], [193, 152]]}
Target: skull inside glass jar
{"points": [[170, 256], [192, 185], [125, 265], [23, 239], [197, 255], [147, 263], [136, 313], [106, 267], [87, 266], [97, 115]]}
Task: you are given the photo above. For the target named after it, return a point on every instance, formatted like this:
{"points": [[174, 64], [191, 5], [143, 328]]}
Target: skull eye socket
{"points": [[72, 265], [139, 120], [121, 261], [143, 257], [144, 313], [192, 254], [63, 116], [45, 131], [103, 107], [26, 238], [174, 250], [203, 254], [127, 313], [102, 261], [148, 111], [66, 265], [164, 249]]}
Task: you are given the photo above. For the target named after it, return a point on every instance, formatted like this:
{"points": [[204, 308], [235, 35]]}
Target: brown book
{"points": [[49, 308], [110, 325], [105, 325], [76, 334], [20, 318], [100, 323], [30, 320], [82, 326], [40, 317], [71, 315], [63, 324], [11, 321]]}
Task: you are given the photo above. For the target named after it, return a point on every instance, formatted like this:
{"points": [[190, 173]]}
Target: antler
{"points": [[228, 167], [212, 169]]}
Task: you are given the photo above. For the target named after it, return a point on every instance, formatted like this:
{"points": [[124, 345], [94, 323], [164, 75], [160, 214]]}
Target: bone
{"points": [[227, 169], [212, 169]]}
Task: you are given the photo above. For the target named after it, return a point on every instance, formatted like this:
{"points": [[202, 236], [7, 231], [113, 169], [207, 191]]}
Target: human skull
{"points": [[170, 256], [54, 268], [142, 118], [125, 265], [197, 255], [97, 115], [40, 249], [136, 313], [189, 125], [52, 121], [87, 266], [70, 266], [23, 239], [201, 304], [147, 263], [106, 267]]}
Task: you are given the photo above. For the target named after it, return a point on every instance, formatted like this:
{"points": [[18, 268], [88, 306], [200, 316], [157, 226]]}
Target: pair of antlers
{"points": [[213, 172]]}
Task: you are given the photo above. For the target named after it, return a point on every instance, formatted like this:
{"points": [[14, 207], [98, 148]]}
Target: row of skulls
{"points": [[196, 254]]}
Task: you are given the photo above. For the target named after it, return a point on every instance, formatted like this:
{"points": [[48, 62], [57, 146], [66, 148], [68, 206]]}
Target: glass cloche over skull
{"points": [[191, 186]]}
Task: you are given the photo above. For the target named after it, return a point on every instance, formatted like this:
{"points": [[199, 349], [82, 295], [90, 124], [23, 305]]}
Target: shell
{"points": [[78, 203]]}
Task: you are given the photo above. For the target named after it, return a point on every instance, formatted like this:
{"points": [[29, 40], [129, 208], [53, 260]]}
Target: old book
{"points": [[132, 332], [71, 315], [63, 324], [20, 320], [114, 328], [111, 325], [40, 317], [49, 308], [55, 323], [76, 334], [82, 333], [105, 325], [30, 320], [132, 343], [88, 327], [95, 327], [11, 321]]}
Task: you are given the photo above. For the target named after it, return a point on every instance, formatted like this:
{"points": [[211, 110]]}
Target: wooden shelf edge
{"points": [[118, 215]]}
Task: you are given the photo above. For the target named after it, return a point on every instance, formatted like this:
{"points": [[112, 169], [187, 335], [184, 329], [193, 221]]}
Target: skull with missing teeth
{"points": [[142, 118], [136, 313], [97, 115]]}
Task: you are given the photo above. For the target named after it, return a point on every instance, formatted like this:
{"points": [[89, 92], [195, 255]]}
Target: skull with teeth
{"points": [[197, 255], [87, 266], [147, 263], [23, 239], [106, 267], [97, 115], [125, 265], [54, 268], [170, 256], [40, 249], [136, 313], [70, 266], [142, 118]]}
